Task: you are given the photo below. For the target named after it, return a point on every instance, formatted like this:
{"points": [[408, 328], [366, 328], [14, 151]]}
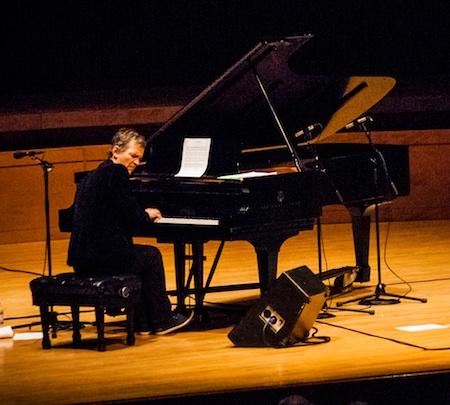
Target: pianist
{"points": [[105, 218]]}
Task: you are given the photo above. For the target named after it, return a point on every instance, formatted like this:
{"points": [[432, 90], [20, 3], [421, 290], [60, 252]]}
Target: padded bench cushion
{"points": [[118, 291], [99, 288]]}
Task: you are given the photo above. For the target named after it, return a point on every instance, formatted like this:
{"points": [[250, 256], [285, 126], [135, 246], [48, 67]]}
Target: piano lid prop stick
{"points": [[294, 154]]}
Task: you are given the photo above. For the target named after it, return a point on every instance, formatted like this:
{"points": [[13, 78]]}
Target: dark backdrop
{"points": [[67, 54], [97, 45]]}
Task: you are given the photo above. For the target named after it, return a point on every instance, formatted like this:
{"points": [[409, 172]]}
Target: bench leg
{"points": [[76, 335], [130, 325], [100, 320], [45, 321], [53, 320]]}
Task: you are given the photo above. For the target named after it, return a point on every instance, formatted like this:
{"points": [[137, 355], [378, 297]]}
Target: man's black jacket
{"points": [[105, 217]]}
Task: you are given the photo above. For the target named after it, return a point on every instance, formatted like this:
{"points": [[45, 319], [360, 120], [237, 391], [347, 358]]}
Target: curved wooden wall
{"points": [[22, 186]]}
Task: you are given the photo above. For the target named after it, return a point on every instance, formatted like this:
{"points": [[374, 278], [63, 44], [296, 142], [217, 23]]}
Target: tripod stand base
{"points": [[325, 315], [380, 291], [376, 300]]}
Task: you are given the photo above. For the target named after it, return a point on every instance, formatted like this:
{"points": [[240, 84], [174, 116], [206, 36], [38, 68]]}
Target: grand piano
{"points": [[267, 114], [260, 116]]}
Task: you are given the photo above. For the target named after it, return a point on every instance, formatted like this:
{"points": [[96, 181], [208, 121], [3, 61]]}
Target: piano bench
{"points": [[100, 292]]}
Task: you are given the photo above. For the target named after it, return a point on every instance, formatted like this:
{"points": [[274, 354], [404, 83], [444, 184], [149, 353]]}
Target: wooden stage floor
{"points": [[186, 366]]}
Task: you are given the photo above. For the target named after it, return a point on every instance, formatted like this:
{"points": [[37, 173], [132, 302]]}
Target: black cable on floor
{"points": [[382, 337]]}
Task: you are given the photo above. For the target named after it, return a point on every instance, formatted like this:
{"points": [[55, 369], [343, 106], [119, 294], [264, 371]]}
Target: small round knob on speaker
{"points": [[124, 292]]}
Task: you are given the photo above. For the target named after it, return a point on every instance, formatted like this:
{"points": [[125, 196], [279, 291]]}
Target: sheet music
{"points": [[194, 160]]}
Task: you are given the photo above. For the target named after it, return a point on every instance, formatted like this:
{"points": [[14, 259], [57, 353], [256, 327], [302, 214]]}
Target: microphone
{"points": [[358, 122], [31, 153], [309, 133]]}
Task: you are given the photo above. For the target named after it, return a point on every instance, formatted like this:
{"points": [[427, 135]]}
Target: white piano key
{"points": [[189, 221]]}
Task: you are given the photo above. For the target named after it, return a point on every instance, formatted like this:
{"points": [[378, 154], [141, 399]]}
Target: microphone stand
{"points": [[47, 167], [380, 294], [291, 146], [318, 166]]}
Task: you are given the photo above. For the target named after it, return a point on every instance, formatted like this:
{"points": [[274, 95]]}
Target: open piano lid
{"points": [[234, 113]]}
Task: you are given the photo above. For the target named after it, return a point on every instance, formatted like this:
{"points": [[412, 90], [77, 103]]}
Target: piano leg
{"points": [[267, 249], [361, 240], [197, 269]]}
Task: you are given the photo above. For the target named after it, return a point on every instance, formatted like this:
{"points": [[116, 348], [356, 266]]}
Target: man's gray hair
{"points": [[123, 137]]}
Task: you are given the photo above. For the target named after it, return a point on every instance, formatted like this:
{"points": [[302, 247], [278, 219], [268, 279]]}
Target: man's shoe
{"points": [[177, 321]]}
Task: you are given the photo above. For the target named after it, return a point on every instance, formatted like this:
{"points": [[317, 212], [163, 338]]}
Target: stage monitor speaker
{"points": [[283, 316]]}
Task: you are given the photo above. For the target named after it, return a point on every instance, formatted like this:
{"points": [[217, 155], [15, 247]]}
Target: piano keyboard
{"points": [[189, 221]]}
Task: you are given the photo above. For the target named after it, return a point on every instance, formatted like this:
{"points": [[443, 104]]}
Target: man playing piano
{"points": [[106, 215]]}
